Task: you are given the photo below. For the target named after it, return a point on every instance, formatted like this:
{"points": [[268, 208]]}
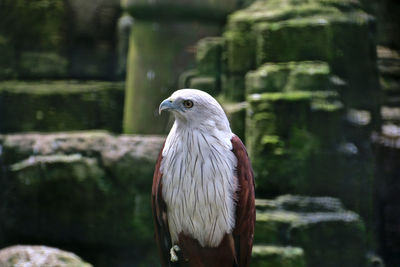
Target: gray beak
{"points": [[167, 104]]}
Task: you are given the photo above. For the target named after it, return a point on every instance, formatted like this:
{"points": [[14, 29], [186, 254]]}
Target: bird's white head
{"points": [[196, 109]]}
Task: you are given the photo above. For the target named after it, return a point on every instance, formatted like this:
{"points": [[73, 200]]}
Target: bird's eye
{"points": [[188, 103]]}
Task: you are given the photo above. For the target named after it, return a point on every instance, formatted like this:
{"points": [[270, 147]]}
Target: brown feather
{"points": [[159, 208], [243, 233]]}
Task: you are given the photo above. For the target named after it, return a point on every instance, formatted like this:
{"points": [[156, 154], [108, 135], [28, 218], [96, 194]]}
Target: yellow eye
{"points": [[187, 103]]}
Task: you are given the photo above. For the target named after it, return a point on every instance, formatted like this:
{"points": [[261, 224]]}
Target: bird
{"points": [[203, 199]]}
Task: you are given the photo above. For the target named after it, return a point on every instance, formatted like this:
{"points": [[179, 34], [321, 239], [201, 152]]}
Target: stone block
{"points": [[293, 40], [209, 55], [275, 256], [7, 59], [233, 87], [60, 105], [239, 51], [328, 234], [290, 76], [208, 84], [43, 65]]}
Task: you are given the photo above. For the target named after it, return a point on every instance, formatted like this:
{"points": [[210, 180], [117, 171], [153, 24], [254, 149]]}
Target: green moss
{"points": [[208, 84], [290, 76], [283, 10], [271, 227], [60, 105], [209, 55], [328, 234], [42, 65], [7, 59], [233, 87], [296, 40], [239, 52]]}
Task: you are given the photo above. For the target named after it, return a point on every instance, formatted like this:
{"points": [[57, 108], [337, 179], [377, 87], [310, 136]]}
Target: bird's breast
{"points": [[199, 186]]}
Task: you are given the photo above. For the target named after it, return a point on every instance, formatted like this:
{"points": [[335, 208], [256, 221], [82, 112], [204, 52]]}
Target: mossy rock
{"points": [[79, 189], [208, 84], [39, 256], [290, 76], [60, 105], [7, 60], [329, 235], [295, 40], [275, 256], [239, 51], [276, 10], [233, 87], [337, 239], [209, 55], [43, 65], [338, 32]]}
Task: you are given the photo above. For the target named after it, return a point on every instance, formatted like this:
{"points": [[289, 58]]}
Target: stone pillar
{"points": [[162, 42]]}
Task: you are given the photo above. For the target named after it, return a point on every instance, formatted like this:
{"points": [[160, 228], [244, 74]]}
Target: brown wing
{"points": [[245, 210], [162, 236]]}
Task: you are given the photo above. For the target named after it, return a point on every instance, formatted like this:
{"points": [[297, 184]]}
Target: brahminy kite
{"points": [[203, 187]]}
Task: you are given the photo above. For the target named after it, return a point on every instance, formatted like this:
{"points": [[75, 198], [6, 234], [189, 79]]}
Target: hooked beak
{"points": [[167, 104]]}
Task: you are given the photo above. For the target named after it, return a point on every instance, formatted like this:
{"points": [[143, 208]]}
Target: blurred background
{"points": [[311, 86]]}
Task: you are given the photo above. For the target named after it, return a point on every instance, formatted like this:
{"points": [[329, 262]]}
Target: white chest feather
{"points": [[199, 185]]}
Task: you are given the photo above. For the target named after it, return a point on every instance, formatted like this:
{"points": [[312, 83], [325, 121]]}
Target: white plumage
{"points": [[198, 168]]}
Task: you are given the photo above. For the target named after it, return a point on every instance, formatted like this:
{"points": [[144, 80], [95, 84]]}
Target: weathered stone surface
{"points": [[291, 76], [331, 31], [59, 39], [233, 87], [209, 55], [43, 64], [39, 256], [208, 84], [7, 64], [329, 235], [78, 189], [275, 256], [238, 51], [296, 143], [60, 105]]}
